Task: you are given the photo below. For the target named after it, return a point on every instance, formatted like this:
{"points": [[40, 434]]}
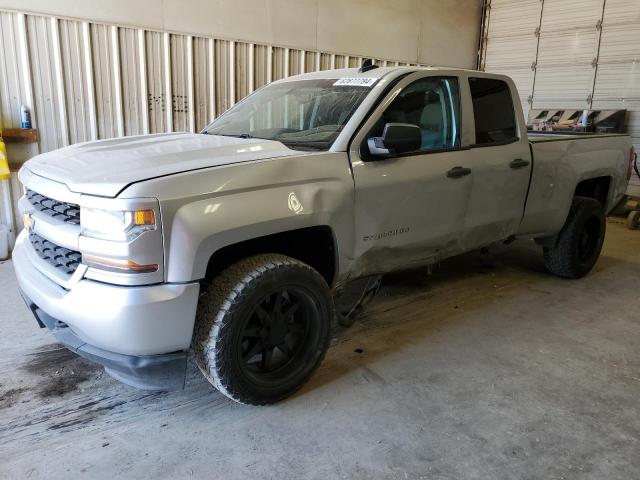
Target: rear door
{"points": [[410, 209], [501, 162]]}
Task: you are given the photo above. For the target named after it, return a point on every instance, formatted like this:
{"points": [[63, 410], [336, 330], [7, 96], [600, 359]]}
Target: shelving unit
{"points": [[20, 135]]}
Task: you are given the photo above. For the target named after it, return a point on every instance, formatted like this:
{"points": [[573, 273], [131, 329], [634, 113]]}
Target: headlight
{"points": [[116, 225]]}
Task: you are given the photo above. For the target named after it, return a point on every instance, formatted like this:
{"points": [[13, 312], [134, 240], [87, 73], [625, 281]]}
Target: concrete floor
{"points": [[487, 369]]}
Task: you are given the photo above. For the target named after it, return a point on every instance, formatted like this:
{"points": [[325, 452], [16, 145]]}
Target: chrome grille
{"points": [[67, 212], [62, 258]]}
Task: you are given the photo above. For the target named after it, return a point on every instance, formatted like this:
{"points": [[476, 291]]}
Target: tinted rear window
{"points": [[493, 111]]}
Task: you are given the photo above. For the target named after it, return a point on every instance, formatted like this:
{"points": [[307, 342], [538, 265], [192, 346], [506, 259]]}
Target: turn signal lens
{"points": [[121, 266], [144, 217], [27, 221]]}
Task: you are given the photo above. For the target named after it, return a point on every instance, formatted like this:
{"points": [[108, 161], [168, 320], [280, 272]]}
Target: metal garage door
{"points": [[617, 83], [569, 54], [512, 43]]}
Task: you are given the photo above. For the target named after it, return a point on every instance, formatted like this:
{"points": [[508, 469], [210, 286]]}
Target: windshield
{"points": [[303, 114]]}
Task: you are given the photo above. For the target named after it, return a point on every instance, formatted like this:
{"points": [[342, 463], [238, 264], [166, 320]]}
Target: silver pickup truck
{"points": [[230, 242]]}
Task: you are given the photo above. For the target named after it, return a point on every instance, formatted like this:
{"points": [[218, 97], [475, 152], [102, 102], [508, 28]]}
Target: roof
{"points": [[355, 73]]}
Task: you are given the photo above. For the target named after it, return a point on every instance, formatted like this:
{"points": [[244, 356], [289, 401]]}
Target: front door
{"points": [[410, 209]]}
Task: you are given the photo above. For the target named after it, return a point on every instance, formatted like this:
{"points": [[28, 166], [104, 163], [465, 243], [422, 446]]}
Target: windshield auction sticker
{"points": [[356, 82]]}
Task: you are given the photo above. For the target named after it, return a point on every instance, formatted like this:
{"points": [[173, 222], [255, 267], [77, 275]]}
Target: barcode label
{"points": [[356, 82]]}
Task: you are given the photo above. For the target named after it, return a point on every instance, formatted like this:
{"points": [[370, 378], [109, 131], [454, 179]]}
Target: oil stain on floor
{"points": [[60, 371]]}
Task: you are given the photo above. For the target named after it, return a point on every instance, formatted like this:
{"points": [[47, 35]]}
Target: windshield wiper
{"points": [[236, 135], [303, 145]]}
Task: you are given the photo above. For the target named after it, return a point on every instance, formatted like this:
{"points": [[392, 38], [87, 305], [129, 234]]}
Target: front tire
{"points": [[262, 328], [578, 245]]}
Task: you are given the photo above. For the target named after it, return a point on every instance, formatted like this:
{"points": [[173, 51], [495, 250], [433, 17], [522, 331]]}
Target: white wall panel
{"points": [[568, 47], [618, 74], [618, 78], [15, 81], [622, 12], [242, 52], [511, 18], [511, 43], [46, 106], [424, 31], [620, 43], [261, 65], [78, 88], [106, 84], [133, 99], [563, 15], [617, 81], [222, 76], [567, 52], [515, 51], [560, 87], [523, 78], [203, 82], [180, 82], [12, 80], [157, 90], [278, 63]]}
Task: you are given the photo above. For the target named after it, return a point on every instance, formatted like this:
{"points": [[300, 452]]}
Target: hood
{"points": [[106, 167]]}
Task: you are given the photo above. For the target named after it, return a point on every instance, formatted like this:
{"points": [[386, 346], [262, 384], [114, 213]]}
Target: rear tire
{"points": [[578, 245], [262, 328]]}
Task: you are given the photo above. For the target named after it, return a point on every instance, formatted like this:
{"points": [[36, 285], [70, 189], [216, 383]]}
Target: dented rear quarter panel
{"points": [[559, 165], [206, 210]]}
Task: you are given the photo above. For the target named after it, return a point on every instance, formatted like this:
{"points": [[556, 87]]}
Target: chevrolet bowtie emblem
{"points": [[27, 221]]}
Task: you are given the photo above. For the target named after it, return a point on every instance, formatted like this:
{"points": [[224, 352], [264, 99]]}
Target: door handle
{"points": [[519, 163], [457, 172]]}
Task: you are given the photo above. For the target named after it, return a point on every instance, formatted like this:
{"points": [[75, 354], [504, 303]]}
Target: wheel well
{"points": [[596, 188], [314, 246]]}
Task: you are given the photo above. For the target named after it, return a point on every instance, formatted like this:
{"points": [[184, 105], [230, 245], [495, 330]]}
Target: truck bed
{"points": [[539, 137], [560, 162]]}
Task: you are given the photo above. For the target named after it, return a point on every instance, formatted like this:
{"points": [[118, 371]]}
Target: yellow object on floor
{"points": [[4, 160]]}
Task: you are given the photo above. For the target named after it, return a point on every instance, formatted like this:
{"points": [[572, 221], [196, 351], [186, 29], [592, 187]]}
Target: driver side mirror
{"points": [[396, 138]]}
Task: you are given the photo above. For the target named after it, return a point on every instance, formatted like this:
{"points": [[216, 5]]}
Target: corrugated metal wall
{"points": [[582, 54], [86, 81]]}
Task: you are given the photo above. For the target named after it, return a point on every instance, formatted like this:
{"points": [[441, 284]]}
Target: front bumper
{"points": [[104, 321], [144, 320], [147, 372]]}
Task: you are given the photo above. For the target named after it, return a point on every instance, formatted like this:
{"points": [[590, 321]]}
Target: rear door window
{"points": [[493, 111]]}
